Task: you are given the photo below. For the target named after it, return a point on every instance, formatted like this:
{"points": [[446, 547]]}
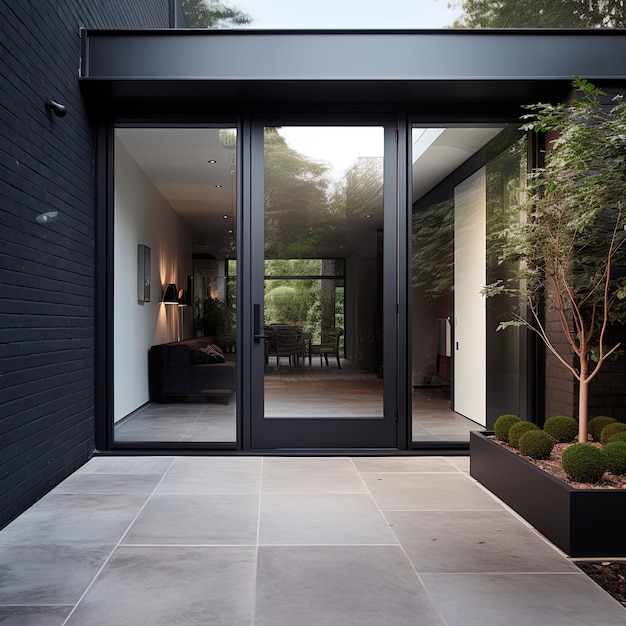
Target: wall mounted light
{"points": [[170, 295], [50, 216], [182, 297], [58, 109]]}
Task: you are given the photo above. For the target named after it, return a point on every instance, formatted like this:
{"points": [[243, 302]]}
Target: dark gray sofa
{"points": [[175, 372]]}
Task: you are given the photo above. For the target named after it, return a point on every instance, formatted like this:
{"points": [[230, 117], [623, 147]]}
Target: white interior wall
{"points": [[142, 216], [470, 334]]}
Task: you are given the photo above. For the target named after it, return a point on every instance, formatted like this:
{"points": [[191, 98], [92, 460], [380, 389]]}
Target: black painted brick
{"points": [[47, 163]]}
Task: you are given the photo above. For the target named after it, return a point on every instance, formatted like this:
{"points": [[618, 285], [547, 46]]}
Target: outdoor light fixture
{"points": [[170, 295], [44, 218], [58, 109]]}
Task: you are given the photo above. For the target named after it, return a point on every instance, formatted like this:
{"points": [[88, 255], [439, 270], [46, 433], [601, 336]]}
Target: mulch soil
{"points": [[610, 575]]}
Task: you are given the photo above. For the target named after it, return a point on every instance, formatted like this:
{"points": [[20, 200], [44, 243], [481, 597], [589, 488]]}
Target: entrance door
{"points": [[323, 241]]}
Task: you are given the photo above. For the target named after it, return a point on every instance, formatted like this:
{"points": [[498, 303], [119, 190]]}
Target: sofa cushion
{"points": [[206, 355]]}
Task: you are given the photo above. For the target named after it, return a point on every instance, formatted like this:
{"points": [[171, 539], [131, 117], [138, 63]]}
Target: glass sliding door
{"points": [[464, 374], [323, 291], [175, 286]]}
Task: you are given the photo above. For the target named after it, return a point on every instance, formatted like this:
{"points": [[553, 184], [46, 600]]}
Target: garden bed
{"points": [[583, 522]]}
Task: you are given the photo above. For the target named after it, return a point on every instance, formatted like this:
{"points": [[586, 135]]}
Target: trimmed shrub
{"points": [[609, 430], [518, 429], [584, 462], [615, 457], [618, 436], [502, 425], [563, 428], [596, 424], [536, 444]]}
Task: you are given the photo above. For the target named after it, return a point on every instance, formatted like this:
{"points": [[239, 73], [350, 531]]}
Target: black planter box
{"points": [[581, 522]]}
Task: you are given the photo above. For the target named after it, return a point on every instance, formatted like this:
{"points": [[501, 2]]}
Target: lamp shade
{"points": [[170, 295], [182, 297]]}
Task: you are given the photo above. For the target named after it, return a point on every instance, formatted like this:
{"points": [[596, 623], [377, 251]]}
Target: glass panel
{"points": [[354, 14], [323, 272], [462, 370], [175, 193]]}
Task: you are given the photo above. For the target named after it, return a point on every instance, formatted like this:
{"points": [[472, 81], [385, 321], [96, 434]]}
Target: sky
{"points": [[352, 14], [338, 147]]}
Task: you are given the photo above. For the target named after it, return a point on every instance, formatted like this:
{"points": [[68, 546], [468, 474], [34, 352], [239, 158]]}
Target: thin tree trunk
{"points": [[583, 407]]}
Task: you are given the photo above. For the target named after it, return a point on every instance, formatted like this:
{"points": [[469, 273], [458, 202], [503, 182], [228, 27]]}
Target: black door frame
{"points": [[387, 433]]}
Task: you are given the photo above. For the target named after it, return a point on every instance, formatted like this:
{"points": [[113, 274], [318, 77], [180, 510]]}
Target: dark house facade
{"points": [[48, 164], [332, 187]]}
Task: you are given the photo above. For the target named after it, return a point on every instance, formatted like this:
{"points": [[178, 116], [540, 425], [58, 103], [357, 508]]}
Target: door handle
{"points": [[256, 323]]}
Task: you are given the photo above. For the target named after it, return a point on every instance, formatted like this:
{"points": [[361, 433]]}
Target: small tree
{"points": [[207, 14], [566, 238]]}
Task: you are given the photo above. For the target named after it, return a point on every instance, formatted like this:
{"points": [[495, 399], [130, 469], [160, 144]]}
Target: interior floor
{"points": [[316, 392]]}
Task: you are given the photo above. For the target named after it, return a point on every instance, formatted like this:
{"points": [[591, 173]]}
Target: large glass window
{"points": [[175, 349], [464, 373], [323, 196]]}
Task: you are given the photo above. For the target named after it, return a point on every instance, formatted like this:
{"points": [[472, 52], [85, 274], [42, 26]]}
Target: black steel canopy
{"points": [[439, 69]]}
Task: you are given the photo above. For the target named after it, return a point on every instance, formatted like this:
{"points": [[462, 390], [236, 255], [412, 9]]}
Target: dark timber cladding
{"points": [[428, 66]]}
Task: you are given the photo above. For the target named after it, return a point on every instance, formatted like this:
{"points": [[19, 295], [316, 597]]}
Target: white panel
{"points": [[469, 305], [142, 216]]}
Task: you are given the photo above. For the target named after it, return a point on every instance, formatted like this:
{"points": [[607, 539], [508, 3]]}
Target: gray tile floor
{"points": [[322, 393], [293, 541]]}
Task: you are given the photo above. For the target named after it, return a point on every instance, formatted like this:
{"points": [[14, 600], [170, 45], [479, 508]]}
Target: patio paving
{"points": [[273, 541]]}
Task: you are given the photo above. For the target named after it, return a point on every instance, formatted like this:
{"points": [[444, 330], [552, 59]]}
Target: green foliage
{"points": [[517, 430], [563, 428], [609, 430], [614, 454], [536, 444], [308, 301], [618, 436], [288, 304], [541, 14], [433, 248], [568, 233], [584, 462], [212, 317], [202, 14], [503, 424], [596, 425]]}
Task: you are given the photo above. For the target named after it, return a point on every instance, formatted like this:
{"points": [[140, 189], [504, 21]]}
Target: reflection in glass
{"points": [[323, 272], [174, 365], [462, 370]]}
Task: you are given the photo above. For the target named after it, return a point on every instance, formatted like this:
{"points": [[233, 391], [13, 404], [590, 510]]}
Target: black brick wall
{"points": [[47, 271]]}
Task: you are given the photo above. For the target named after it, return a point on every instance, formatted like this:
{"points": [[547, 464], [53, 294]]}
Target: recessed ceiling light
{"points": [[367, 216], [211, 161], [225, 217], [218, 186]]}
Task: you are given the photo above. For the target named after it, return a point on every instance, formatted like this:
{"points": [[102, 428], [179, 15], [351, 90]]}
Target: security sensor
{"points": [[58, 109], [44, 218]]}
